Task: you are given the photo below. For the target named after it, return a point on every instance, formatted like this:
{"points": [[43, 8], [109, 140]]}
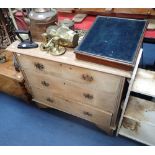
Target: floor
{"points": [[24, 124]]}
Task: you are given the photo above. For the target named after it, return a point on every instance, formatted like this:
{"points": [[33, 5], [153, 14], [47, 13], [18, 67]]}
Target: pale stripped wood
{"points": [[131, 82], [68, 58], [86, 112], [7, 69], [144, 82], [106, 82], [102, 98], [139, 121]]}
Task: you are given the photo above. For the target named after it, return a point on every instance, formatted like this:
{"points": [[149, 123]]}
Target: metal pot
{"points": [[40, 19], [43, 15]]}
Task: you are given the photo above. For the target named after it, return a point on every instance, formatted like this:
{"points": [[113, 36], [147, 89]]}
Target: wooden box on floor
{"points": [[11, 81]]}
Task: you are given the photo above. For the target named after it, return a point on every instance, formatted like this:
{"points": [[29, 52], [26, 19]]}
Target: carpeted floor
{"points": [[24, 124]]}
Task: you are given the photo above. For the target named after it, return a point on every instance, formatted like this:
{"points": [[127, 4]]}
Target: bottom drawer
{"points": [[99, 117], [139, 121]]}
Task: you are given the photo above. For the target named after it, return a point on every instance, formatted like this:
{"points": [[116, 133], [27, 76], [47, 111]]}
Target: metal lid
{"points": [[39, 10], [42, 15]]}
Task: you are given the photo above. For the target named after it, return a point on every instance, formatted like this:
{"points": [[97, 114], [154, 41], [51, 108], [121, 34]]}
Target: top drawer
{"points": [[93, 79]]}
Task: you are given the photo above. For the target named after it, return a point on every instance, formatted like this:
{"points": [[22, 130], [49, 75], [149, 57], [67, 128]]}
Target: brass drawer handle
{"points": [[87, 113], [87, 77], [39, 66], [50, 100], [88, 96], [44, 83]]}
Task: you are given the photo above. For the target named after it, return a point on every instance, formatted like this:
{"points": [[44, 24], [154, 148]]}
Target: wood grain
{"points": [[144, 82], [119, 65], [137, 13], [12, 87], [89, 78], [68, 58], [68, 81], [11, 81], [73, 83], [7, 69], [77, 109], [139, 121], [131, 82], [105, 99]]}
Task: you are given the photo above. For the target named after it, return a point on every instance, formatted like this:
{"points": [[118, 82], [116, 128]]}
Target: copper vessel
{"points": [[40, 19]]}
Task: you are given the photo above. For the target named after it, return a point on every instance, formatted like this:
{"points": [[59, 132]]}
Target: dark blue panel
{"points": [[148, 54], [114, 38]]}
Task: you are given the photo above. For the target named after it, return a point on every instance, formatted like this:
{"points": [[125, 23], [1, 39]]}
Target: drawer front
{"points": [[89, 78], [80, 110], [93, 79], [40, 65], [74, 91]]}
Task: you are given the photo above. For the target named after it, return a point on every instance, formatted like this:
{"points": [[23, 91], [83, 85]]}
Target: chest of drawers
{"points": [[90, 91]]}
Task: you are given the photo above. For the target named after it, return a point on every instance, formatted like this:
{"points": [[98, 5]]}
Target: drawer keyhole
{"points": [[87, 77], [88, 96], [44, 83], [50, 100], [39, 66], [87, 113]]}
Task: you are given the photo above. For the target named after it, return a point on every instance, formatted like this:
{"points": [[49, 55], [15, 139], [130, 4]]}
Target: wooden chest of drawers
{"points": [[86, 90]]}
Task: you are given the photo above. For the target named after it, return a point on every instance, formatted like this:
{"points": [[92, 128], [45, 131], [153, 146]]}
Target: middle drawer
{"points": [[73, 91]]}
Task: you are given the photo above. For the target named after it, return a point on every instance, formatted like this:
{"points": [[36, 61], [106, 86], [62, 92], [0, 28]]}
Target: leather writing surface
{"points": [[113, 38]]}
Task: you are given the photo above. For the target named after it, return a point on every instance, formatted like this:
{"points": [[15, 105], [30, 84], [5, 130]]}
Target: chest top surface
{"points": [[67, 58]]}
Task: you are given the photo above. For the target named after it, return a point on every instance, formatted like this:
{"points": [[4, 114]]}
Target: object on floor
{"points": [[77, 86], [139, 118], [27, 43], [113, 41], [139, 121], [11, 81], [40, 19]]}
